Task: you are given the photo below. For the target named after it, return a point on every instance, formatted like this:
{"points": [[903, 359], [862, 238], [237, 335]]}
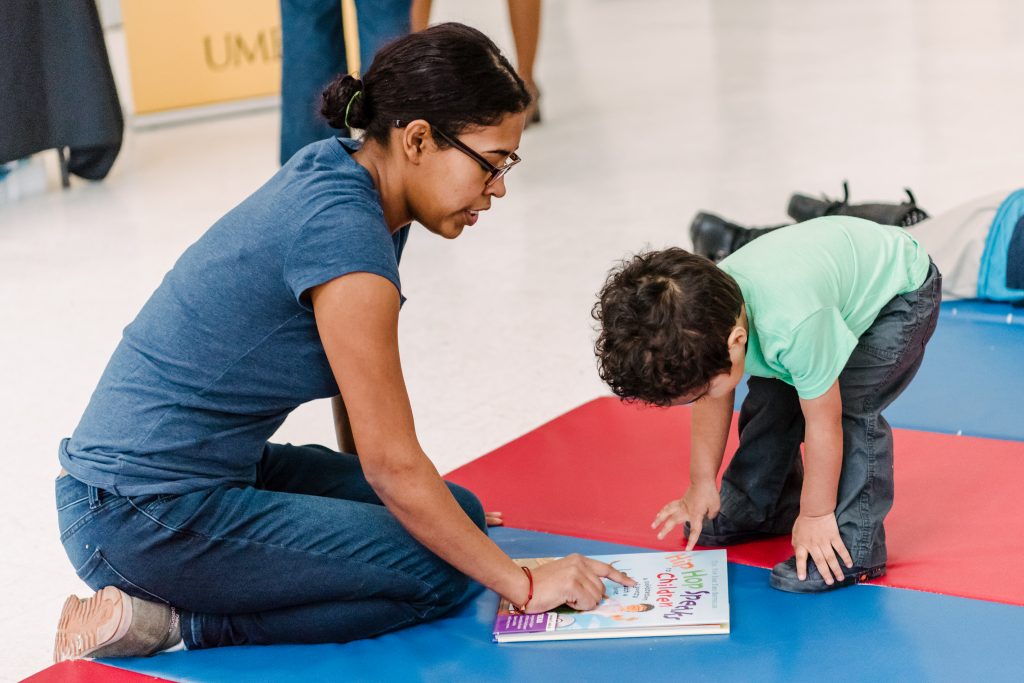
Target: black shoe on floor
{"points": [[715, 238], [803, 208], [784, 577], [721, 531]]}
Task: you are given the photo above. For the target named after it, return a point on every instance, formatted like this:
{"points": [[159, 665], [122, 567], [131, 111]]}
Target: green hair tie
{"points": [[349, 106]]}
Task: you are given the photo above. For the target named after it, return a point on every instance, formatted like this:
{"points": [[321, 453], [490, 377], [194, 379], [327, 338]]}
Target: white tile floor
{"points": [[653, 109]]}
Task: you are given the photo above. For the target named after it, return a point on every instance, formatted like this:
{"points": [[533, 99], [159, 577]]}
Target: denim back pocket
{"points": [[891, 330], [97, 573], [73, 510], [72, 516]]}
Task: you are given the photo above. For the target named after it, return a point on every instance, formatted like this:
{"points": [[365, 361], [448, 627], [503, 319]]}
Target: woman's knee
{"points": [[455, 589], [470, 504]]}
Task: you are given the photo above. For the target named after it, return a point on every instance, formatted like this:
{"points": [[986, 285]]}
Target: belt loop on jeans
{"points": [[95, 497]]}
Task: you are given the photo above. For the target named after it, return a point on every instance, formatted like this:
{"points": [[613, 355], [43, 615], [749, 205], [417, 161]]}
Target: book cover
{"points": [[676, 593]]}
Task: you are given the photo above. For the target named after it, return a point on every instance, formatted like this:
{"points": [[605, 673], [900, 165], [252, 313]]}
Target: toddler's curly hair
{"points": [[664, 322]]}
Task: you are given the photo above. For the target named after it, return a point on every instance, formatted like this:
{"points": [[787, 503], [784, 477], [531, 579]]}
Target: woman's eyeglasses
{"points": [[494, 173]]}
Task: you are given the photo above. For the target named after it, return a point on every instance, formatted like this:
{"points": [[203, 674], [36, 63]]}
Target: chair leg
{"points": [[65, 176]]}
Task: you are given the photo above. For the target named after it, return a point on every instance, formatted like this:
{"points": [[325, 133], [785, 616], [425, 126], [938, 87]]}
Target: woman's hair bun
{"points": [[450, 75], [345, 94]]}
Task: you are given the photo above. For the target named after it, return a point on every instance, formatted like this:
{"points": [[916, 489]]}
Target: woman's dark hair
{"points": [[450, 74], [665, 318]]}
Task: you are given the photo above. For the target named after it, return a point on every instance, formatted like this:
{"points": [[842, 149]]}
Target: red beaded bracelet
{"points": [[529, 596]]}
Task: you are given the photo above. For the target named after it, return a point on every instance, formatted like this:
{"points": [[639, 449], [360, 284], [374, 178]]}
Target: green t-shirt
{"points": [[812, 289]]}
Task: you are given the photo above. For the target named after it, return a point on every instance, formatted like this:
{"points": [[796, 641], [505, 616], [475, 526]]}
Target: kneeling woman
{"points": [[173, 505]]}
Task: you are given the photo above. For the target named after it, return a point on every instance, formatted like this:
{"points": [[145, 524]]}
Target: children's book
{"points": [[676, 594]]}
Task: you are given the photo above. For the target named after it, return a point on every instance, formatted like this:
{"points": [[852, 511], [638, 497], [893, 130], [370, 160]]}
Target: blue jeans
{"points": [[313, 53], [761, 486], [309, 554]]}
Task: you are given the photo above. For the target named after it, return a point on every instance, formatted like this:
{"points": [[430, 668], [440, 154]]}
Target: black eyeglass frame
{"points": [[494, 173]]}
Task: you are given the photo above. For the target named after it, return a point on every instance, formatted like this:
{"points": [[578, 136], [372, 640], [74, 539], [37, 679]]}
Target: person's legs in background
{"points": [[313, 53], [524, 16], [380, 22], [313, 46], [419, 15]]}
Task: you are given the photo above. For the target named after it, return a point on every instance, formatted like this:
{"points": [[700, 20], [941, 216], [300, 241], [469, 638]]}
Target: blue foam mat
{"points": [[972, 378], [860, 633]]}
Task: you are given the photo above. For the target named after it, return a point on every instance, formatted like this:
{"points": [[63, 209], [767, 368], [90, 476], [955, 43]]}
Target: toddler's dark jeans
{"points": [[762, 484]]}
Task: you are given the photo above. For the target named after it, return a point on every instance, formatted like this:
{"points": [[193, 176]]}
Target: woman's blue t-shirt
{"points": [[227, 345]]}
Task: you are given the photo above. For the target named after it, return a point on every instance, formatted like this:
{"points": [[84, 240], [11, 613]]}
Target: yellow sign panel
{"points": [[184, 53]]}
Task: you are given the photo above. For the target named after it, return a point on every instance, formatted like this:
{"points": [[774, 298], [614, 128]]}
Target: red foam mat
{"points": [[603, 470], [84, 671]]}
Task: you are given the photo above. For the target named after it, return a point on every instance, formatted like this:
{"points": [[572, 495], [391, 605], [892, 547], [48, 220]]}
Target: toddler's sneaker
{"points": [[114, 624], [784, 577]]}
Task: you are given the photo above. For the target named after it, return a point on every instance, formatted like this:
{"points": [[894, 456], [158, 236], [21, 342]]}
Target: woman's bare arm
{"points": [[357, 317]]}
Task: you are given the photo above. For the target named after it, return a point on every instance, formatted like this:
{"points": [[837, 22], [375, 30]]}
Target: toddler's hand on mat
{"points": [[818, 537], [494, 518], [700, 500]]}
